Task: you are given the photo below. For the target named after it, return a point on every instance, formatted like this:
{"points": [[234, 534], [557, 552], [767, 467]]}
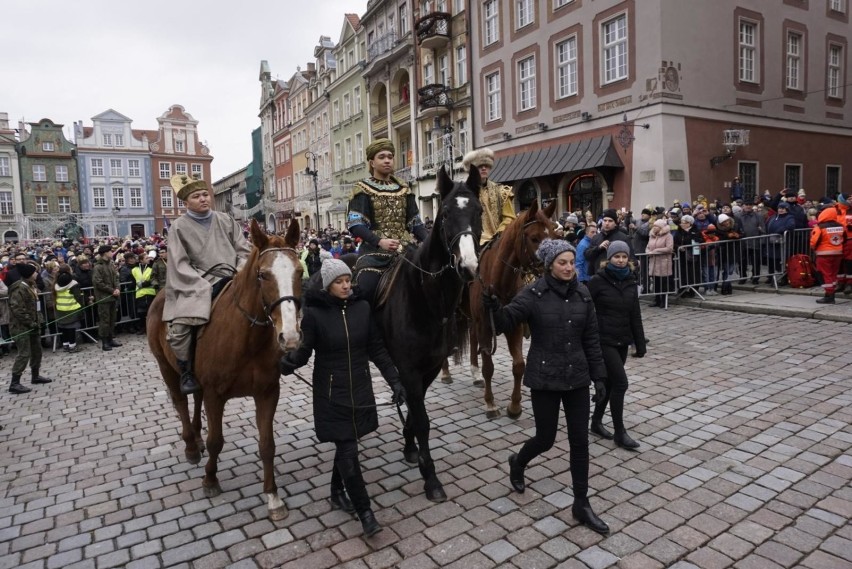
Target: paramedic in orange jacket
{"points": [[827, 238]]}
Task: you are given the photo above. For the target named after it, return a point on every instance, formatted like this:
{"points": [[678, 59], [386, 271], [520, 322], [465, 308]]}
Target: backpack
{"points": [[800, 271]]}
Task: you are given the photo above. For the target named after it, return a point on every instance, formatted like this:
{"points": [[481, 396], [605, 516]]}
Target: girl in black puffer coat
{"points": [[616, 296], [564, 359], [338, 326]]}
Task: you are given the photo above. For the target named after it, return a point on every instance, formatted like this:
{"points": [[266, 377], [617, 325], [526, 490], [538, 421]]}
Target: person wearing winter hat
{"points": [[498, 210], [200, 241], [728, 250], [659, 262], [778, 224], [25, 327], [339, 329], [383, 213], [564, 359], [107, 293], [69, 308], [615, 293], [609, 233]]}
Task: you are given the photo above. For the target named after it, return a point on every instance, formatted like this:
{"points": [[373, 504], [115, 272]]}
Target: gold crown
{"points": [[184, 185]]}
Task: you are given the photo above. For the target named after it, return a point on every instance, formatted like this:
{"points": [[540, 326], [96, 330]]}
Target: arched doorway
{"points": [[10, 237], [585, 193]]}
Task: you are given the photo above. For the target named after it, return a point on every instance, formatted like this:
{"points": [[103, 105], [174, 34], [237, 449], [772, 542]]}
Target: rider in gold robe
{"points": [[498, 209]]}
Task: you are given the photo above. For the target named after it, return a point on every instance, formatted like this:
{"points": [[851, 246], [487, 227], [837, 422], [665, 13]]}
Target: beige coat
{"points": [[4, 303], [660, 249], [192, 251]]}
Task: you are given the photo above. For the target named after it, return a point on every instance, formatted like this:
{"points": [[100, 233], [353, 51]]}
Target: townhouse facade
{"points": [[318, 153], [284, 203], [229, 194], [601, 104], [114, 164], [11, 209]]}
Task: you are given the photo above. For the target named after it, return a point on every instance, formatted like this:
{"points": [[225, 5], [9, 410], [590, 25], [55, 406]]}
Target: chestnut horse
{"points": [[254, 319], [508, 264]]}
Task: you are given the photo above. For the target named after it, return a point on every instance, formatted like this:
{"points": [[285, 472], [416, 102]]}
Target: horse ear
{"points": [[445, 183], [533, 209], [550, 209], [258, 237], [474, 180], [291, 238]]}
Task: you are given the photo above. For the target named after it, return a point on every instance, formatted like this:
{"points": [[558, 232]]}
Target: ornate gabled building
{"points": [[11, 210], [115, 177]]}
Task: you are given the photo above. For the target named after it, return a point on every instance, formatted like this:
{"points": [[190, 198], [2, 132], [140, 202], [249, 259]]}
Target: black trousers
{"points": [[545, 406], [347, 474], [616, 386]]}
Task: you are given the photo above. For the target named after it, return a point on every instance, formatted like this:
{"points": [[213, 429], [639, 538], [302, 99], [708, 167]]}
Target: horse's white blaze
{"points": [[283, 268], [461, 202], [273, 502], [467, 251]]}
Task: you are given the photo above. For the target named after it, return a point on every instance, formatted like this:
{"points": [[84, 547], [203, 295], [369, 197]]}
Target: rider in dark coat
{"points": [[339, 327]]}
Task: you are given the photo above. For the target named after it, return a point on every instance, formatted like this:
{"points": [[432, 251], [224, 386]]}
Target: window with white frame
{"points": [[614, 35], [179, 146], [180, 168], [198, 171], [837, 5], [7, 206], [98, 197], [444, 69], [335, 112], [166, 200], [47, 146], [64, 203], [133, 168], [359, 145], [832, 180], [526, 89], [338, 157], [181, 204], [566, 68], [835, 71], [5, 166], [97, 166], [430, 148], [792, 176], [440, 5], [403, 19], [524, 13], [115, 168], [117, 196], [347, 106], [748, 51], [61, 173], [490, 22], [119, 140], [135, 197], [428, 74], [794, 61], [463, 135], [560, 3], [492, 96], [356, 99], [459, 6], [41, 204], [39, 173], [107, 139], [461, 65], [165, 170], [347, 145]]}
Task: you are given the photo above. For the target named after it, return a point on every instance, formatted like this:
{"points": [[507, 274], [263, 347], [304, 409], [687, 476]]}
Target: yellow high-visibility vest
{"points": [[65, 301], [140, 277]]}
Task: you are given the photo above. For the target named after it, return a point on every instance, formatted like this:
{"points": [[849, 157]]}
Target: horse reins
{"points": [[267, 309]]}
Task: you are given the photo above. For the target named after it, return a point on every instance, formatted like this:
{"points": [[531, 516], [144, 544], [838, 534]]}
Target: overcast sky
{"points": [[68, 61]]}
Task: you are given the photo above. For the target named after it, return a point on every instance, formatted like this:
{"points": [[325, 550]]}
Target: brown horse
{"points": [[504, 268], [254, 320]]}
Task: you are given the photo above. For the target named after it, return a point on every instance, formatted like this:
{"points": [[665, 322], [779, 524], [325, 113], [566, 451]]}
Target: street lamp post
{"points": [[313, 174]]}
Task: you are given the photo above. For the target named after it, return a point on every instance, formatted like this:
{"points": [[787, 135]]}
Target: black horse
{"points": [[418, 308]]}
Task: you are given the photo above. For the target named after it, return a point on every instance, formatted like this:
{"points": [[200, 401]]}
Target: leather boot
{"points": [[40, 378], [113, 343], [105, 345], [598, 429], [623, 440], [369, 523], [339, 499], [583, 513], [16, 387], [516, 475], [188, 384], [827, 299], [350, 471]]}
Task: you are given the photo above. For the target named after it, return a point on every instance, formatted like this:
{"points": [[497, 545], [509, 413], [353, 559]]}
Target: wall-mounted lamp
{"points": [[586, 116], [507, 136], [625, 136], [542, 126]]}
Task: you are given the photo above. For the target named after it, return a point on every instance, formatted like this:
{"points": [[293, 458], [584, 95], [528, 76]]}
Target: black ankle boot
{"points": [[369, 523], [623, 440], [40, 378], [114, 344], [583, 513], [16, 387], [105, 345], [339, 500], [827, 299], [188, 384], [598, 429], [516, 475]]}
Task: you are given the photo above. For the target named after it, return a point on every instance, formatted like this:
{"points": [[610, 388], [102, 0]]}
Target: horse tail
{"points": [[461, 331]]}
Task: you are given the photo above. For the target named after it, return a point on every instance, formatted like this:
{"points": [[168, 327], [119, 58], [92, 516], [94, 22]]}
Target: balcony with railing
{"points": [[433, 30], [381, 46], [434, 100]]}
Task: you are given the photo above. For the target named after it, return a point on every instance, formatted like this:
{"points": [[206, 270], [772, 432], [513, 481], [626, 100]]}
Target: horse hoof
{"points": [[411, 457], [479, 383], [493, 413], [278, 514], [212, 491], [514, 414], [436, 495], [193, 457], [446, 379]]}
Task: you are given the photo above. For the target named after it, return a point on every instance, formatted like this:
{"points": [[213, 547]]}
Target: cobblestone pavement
{"points": [[744, 422]]}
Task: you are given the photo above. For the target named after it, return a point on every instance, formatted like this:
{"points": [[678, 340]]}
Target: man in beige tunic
{"points": [[498, 210], [203, 244]]}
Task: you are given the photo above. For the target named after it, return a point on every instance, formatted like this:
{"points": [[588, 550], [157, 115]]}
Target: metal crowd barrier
{"points": [[125, 307]]}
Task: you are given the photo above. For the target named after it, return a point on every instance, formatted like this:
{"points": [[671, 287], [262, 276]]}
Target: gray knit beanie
{"points": [[617, 247], [331, 269], [549, 249]]}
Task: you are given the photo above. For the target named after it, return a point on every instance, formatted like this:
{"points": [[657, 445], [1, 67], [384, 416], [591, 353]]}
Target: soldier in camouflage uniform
{"points": [[25, 326]]}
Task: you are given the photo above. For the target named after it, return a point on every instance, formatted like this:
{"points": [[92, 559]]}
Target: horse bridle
{"points": [[534, 268], [267, 309]]}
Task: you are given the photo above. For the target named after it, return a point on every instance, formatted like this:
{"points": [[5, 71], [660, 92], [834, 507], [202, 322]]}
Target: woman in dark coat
{"points": [[615, 292], [338, 326], [689, 258], [563, 360]]}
